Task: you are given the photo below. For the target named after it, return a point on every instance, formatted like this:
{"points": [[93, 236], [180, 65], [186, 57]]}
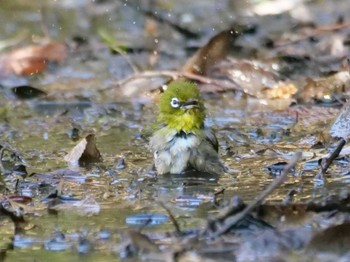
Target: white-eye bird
{"points": [[183, 142]]}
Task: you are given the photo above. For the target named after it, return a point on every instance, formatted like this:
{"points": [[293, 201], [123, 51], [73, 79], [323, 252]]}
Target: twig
{"points": [[43, 22], [113, 45], [317, 32], [326, 162], [233, 220], [126, 57], [171, 216], [184, 31], [2, 150], [175, 75], [153, 14], [217, 194]]}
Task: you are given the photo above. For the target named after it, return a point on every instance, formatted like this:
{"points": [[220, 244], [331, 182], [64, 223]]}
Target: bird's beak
{"points": [[189, 104]]}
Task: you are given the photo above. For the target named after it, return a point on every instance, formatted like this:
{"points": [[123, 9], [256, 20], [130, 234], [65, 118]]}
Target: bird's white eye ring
{"points": [[174, 102]]}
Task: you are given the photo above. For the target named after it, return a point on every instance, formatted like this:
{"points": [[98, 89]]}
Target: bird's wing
{"points": [[161, 138], [211, 138]]}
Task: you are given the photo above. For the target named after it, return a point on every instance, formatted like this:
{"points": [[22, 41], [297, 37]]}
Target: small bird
{"points": [[183, 143]]}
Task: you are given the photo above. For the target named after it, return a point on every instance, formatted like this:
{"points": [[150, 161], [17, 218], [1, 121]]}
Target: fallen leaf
{"points": [[256, 78], [209, 55], [84, 152], [32, 59], [335, 239]]}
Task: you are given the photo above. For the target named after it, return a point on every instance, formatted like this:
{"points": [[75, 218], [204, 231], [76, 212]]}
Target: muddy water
{"points": [[252, 137], [42, 138]]}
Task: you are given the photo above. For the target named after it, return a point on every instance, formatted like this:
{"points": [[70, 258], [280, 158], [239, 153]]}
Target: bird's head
{"points": [[181, 107]]}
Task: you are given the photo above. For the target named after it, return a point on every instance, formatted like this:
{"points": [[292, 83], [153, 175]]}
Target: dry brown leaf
{"points": [[209, 55], [253, 76], [334, 239], [84, 152], [141, 241], [32, 59]]}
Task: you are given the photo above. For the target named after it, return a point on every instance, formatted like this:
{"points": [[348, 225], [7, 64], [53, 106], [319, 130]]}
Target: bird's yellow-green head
{"points": [[181, 107]]}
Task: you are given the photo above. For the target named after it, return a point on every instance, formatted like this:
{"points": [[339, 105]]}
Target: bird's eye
{"points": [[175, 102]]}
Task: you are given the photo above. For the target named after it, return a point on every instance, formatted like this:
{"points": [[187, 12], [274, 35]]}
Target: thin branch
{"points": [[112, 44], [233, 220], [217, 194], [126, 58], [162, 19], [43, 22], [175, 75], [317, 32], [2, 168], [171, 216], [326, 162]]}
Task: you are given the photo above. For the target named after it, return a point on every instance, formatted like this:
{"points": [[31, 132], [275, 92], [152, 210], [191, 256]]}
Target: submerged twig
{"points": [[217, 195], [171, 216], [230, 221], [326, 162]]}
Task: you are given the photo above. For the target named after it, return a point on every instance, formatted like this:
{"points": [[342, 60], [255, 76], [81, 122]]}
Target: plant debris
{"points": [[85, 152], [274, 77], [32, 59]]}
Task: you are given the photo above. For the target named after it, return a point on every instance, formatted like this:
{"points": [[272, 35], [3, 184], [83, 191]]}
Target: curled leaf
{"points": [[334, 239], [209, 55], [84, 152]]}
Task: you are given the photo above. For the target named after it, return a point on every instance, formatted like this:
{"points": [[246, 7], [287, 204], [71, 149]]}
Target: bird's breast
{"points": [[183, 143]]}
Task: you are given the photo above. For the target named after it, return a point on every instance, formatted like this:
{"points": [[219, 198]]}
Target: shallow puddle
{"points": [[82, 213]]}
